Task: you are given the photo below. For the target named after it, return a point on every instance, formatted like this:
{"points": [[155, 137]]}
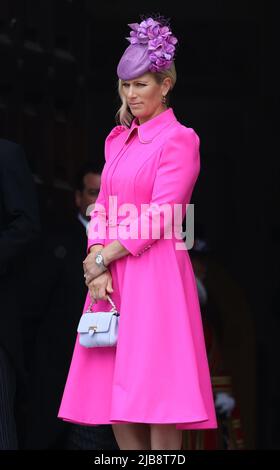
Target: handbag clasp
{"points": [[94, 328]]}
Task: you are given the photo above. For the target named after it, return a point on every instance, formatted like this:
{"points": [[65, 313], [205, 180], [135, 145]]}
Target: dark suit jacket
{"points": [[57, 304], [19, 226]]}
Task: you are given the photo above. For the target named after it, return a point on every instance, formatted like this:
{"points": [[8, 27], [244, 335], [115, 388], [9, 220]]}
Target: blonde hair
{"points": [[123, 115]]}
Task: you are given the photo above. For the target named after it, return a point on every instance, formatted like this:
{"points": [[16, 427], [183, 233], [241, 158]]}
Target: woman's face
{"points": [[144, 96]]}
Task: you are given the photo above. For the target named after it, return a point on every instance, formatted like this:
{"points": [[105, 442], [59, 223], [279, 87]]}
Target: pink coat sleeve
{"points": [[98, 218], [178, 169], [97, 226]]}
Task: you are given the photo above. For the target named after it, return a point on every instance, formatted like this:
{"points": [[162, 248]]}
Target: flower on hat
{"points": [[159, 39]]}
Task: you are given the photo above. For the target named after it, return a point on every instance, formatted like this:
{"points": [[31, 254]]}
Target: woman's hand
{"points": [[91, 269], [110, 252], [101, 286]]}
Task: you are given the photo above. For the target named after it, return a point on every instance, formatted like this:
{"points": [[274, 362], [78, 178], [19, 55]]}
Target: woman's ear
{"points": [[166, 85]]}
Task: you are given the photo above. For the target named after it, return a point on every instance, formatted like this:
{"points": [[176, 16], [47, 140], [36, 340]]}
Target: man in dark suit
{"points": [[61, 300], [19, 226]]}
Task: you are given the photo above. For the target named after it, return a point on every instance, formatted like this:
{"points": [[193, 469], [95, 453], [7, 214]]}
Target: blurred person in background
{"points": [[19, 226], [229, 434], [57, 309]]}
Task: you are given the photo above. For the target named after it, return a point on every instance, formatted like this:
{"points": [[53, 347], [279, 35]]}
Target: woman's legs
{"points": [[132, 436], [138, 436], [166, 437]]}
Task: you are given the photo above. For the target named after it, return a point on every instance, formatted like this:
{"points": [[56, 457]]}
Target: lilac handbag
{"points": [[99, 329]]}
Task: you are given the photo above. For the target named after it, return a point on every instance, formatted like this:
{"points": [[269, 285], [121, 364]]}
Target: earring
{"points": [[163, 99]]}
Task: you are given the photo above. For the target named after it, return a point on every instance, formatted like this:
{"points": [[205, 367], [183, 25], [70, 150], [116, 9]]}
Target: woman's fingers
{"points": [[102, 293], [90, 277], [99, 287], [92, 294], [109, 287], [97, 292]]}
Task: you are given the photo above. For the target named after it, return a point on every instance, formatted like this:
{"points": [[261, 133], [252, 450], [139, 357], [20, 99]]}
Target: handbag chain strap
{"points": [[114, 309]]}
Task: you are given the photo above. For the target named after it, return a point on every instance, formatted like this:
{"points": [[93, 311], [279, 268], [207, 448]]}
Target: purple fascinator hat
{"points": [[152, 49]]}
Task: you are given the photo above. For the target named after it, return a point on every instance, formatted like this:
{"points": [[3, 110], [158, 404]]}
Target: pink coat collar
{"points": [[150, 129]]}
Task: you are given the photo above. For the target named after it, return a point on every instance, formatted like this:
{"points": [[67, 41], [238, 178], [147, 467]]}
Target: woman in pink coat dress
{"points": [[155, 382]]}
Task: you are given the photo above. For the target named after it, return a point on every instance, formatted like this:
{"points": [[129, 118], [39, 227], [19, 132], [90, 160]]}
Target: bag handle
{"points": [[114, 308]]}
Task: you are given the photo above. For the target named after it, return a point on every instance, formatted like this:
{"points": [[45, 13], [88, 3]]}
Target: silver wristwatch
{"points": [[99, 260]]}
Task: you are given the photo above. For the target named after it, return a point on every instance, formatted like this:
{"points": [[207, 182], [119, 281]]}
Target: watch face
{"points": [[98, 259]]}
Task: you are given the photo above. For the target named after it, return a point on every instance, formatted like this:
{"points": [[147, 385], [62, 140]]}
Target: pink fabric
{"points": [[158, 373]]}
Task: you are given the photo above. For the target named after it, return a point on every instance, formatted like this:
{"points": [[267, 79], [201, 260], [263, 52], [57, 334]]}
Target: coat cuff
{"points": [[136, 247], [94, 242]]}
